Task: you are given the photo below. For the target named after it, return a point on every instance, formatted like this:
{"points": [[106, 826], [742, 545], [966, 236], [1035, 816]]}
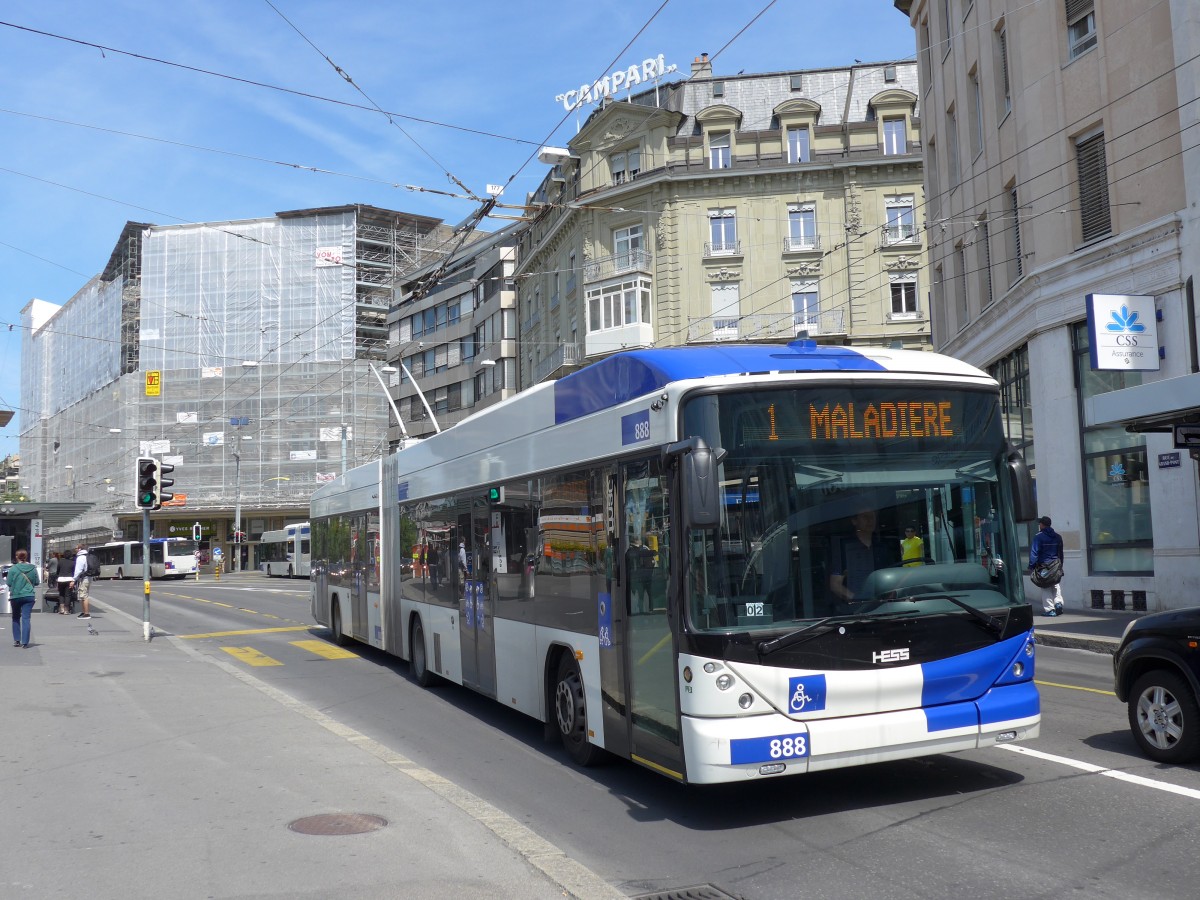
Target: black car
{"points": [[1157, 669]]}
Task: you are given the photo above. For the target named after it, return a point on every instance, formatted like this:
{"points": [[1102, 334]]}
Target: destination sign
{"points": [[856, 421]]}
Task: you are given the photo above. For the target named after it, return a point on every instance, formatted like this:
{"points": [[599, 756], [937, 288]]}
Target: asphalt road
{"points": [[1076, 812]]}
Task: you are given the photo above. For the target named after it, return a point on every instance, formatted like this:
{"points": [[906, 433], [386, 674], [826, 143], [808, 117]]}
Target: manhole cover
{"points": [[696, 892], [338, 823]]}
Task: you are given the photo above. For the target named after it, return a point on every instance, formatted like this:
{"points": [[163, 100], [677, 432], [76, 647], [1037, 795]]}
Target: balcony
{"points": [[802, 243], [632, 261], [714, 249], [764, 327], [901, 234], [568, 356], [610, 340], [532, 322]]}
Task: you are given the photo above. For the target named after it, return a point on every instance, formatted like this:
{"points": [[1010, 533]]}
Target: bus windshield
{"points": [[852, 501]]}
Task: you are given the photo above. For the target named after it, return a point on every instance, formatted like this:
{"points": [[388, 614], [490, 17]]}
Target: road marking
{"points": [[1073, 687], [251, 657], [214, 634], [1107, 773], [325, 649]]}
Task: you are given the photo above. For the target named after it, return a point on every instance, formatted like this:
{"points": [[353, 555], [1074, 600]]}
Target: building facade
{"points": [[730, 208], [1058, 166], [239, 352]]}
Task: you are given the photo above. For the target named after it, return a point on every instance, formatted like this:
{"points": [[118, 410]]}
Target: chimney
{"points": [[701, 67]]}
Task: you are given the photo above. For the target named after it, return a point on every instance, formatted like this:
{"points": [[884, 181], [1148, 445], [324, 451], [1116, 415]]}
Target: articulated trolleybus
{"points": [[700, 559]]}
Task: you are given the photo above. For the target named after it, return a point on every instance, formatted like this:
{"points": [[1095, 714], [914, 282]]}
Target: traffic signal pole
{"points": [[147, 631]]}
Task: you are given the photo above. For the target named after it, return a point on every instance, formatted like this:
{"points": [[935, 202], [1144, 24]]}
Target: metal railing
{"points": [[765, 326], [722, 248], [632, 261], [802, 242], [566, 355]]}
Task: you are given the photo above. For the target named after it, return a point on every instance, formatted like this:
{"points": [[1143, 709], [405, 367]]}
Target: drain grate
{"points": [[698, 892], [337, 823]]}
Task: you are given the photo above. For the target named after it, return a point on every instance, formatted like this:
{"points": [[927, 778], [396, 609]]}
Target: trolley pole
{"points": [[147, 631]]}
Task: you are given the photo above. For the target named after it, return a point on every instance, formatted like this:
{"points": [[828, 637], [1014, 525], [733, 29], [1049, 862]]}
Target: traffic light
{"points": [[163, 483], [496, 496], [196, 532], [147, 482]]}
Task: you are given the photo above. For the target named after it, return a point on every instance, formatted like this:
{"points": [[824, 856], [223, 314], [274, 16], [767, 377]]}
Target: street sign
{"points": [[153, 383]]}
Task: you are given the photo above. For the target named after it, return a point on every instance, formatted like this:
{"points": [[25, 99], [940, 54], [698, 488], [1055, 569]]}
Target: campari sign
{"points": [[1123, 332]]}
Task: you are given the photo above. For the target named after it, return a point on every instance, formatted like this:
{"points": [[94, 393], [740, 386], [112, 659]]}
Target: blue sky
{"points": [[67, 187]]}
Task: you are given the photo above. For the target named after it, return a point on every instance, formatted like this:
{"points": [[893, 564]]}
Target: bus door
{"points": [[476, 601], [653, 710]]}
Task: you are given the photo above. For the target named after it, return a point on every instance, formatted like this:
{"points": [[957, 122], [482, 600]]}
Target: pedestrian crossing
{"points": [[252, 656]]}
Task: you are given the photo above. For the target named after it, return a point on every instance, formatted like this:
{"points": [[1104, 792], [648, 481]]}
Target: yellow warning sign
{"points": [[153, 384]]}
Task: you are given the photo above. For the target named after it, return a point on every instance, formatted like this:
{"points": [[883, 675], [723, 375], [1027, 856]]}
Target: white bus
{"points": [[690, 558], [169, 558], [286, 552]]}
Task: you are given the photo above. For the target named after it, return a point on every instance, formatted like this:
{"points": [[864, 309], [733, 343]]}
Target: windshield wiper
{"points": [[820, 627], [993, 624]]}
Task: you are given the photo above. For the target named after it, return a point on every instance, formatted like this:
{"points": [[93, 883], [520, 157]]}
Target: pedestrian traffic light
{"points": [[163, 483], [147, 482]]}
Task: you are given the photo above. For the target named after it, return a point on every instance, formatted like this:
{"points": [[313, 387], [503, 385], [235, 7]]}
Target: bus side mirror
{"points": [[699, 482], [1020, 484]]}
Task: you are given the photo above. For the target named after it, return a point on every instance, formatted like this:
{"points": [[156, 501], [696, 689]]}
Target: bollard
{"points": [[217, 572]]}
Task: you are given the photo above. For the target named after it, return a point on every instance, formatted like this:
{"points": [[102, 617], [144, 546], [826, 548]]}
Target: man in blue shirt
{"points": [[1046, 547]]}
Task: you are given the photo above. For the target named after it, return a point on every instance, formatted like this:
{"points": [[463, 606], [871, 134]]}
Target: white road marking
{"points": [[1107, 773]]}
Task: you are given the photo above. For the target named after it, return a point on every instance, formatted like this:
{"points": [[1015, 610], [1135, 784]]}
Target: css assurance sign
{"points": [[1123, 332]]}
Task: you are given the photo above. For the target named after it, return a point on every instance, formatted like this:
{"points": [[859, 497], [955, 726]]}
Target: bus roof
{"points": [[635, 373]]}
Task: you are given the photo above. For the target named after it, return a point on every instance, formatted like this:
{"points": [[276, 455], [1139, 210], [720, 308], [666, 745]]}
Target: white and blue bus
{"points": [[169, 558], [690, 558], [286, 553]]}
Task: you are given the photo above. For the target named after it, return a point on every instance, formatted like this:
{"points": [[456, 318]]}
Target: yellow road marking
{"points": [[213, 634], [325, 649], [1074, 687], [251, 657]]}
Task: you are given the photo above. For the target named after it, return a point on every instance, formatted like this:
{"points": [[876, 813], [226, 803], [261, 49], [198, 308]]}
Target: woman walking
{"points": [[22, 578]]}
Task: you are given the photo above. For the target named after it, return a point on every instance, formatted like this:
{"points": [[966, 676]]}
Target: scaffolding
{"points": [[256, 337]]}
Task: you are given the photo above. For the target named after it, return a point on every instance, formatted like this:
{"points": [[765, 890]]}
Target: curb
{"points": [[1077, 642]]}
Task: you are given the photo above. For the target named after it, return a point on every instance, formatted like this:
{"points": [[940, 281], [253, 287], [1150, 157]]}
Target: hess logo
{"points": [[887, 656]]}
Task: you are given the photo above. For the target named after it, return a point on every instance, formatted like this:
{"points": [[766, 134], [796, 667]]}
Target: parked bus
{"points": [[690, 558], [169, 558], [286, 552]]}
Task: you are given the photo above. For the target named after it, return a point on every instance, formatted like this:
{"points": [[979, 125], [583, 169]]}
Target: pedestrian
{"points": [[82, 582], [22, 579], [65, 579], [912, 547], [1046, 553], [433, 562], [462, 558]]}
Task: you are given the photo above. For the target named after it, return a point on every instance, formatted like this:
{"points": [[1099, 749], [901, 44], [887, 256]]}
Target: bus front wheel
{"points": [[335, 624], [419, 665], [570, 709]]}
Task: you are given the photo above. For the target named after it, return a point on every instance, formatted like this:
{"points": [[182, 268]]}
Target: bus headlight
{"points": [[1018, 669], [745, 701], [724, 681]]}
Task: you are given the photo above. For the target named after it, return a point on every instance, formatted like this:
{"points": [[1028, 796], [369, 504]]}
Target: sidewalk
{"points": [[1098, 631], [134, 769]]}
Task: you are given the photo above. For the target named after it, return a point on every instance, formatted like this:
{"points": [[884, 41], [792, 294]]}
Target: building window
{"points": [[798, 144], [926, 54], [901, 227], [719, 147], [975, 111], [895, 140], [1016, 414], [1004, 92], [797, 82], [625, 165], [947, 25], [889, 73], [1094, 218], [726, 311], [904, 296], [1120, 536], [983, 263], [618, 304], [627, 248], [718, 89], [1081, 27], [952, 147], [1016, 265], [722, 224], [802, 227], [933, 201], [806, 306], [960, 286]]}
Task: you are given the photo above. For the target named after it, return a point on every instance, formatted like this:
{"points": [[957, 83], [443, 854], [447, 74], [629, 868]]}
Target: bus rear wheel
{"points": [[570, 710], [419, 665], [335, 624]]}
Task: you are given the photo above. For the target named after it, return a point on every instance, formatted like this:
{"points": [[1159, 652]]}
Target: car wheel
{"points": [[570, 710], [1164, 717], [419, 666]]}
